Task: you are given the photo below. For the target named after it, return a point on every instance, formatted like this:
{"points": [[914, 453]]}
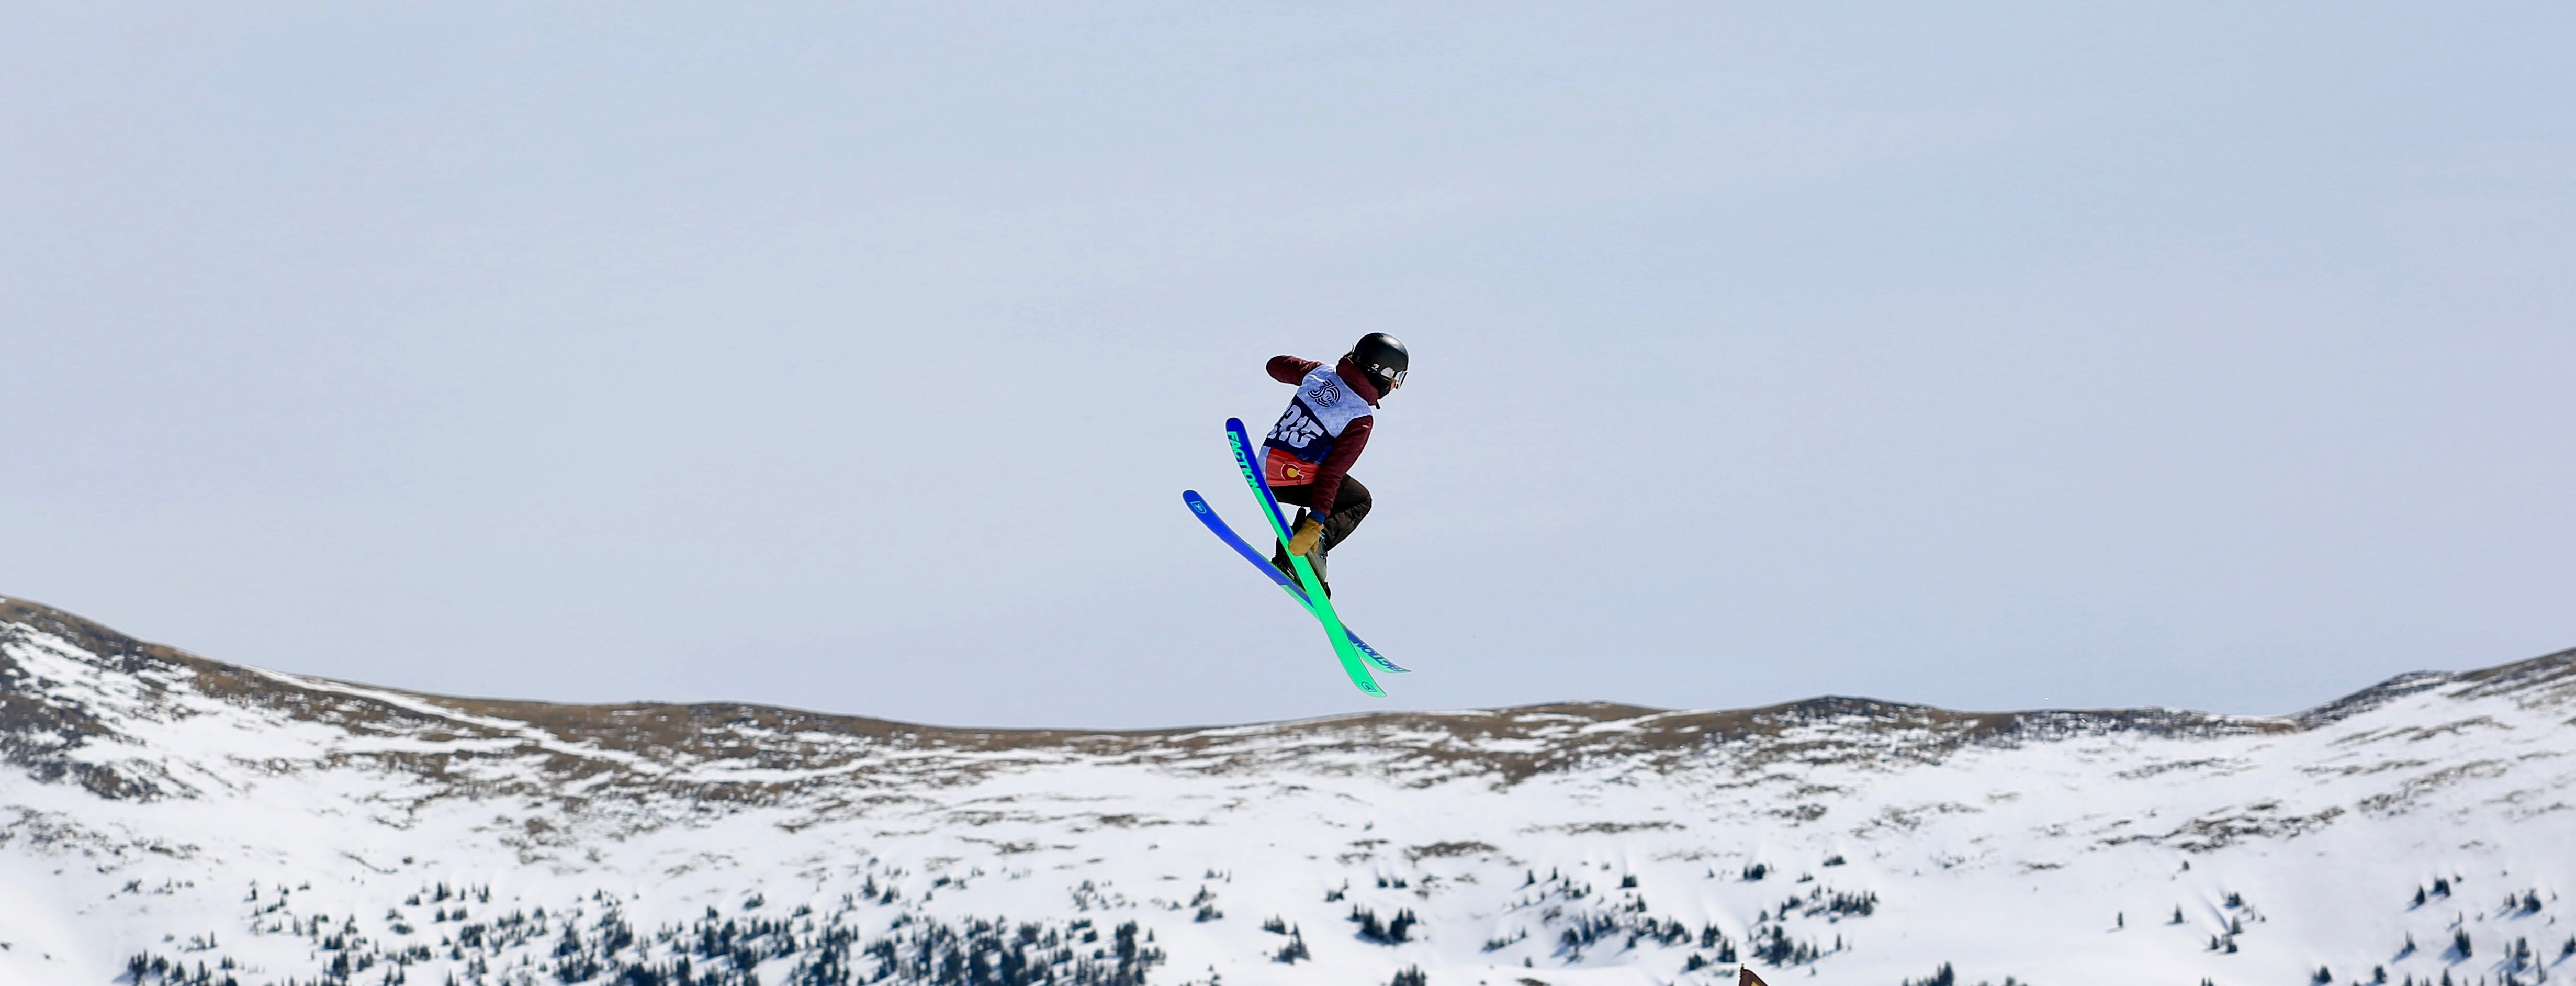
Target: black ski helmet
{"points": [[1383, 358]]}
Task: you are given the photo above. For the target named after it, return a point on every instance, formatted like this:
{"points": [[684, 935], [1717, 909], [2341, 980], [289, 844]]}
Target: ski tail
{"points": [[1217, 525], [1316, 602]]}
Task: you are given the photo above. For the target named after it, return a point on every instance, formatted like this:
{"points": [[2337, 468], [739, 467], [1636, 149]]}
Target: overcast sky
{"points": [[854, 356]]}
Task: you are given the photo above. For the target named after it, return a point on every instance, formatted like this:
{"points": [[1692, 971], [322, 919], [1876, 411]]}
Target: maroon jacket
{"points": [[1328, 474]]}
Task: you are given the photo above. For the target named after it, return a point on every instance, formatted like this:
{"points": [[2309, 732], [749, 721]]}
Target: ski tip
{"points": [[1383, 664], [1196, 502]]}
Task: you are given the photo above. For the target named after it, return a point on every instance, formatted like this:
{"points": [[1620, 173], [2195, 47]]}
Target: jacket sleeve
{"points": [[1290, 369], [1328, 474]]}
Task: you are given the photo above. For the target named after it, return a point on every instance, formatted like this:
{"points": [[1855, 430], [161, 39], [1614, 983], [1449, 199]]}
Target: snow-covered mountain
{"points": [[164, 817]]}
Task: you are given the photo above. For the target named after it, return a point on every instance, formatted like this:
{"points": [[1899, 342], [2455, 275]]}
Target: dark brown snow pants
{"points": [[1350, 506]]}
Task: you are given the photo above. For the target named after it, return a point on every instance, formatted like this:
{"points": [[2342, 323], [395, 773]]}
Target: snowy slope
{"points": [[270, 828]]}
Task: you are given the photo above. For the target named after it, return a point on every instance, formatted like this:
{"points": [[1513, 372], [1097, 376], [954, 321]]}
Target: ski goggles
{"points": [[1393, 380]]}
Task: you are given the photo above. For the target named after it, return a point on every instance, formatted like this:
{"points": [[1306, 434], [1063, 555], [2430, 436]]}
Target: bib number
{"points": [[1296, 428]]}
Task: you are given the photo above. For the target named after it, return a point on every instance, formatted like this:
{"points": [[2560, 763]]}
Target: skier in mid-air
{"points": [[1312, 447]]}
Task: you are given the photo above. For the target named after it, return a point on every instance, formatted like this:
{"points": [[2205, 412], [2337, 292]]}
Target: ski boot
{"points": [[1315, 561]]}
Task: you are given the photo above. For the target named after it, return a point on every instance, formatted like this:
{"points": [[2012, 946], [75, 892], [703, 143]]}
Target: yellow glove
{"points": [[1309, 534]]}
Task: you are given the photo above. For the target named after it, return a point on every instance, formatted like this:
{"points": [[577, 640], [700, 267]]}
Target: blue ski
{"points": [[1207, 515], [1318, 604]]}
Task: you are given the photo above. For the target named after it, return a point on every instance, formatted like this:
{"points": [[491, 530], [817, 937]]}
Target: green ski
{"points": [[1317, 603]]}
